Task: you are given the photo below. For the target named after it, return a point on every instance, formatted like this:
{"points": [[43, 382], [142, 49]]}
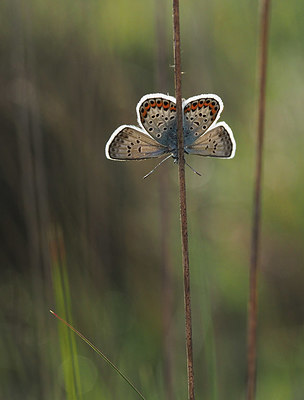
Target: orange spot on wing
{"points": [[173, 108], [159, 104], [193, 107], [213, 111], [212, 107], [166, 106], [144, 113]]}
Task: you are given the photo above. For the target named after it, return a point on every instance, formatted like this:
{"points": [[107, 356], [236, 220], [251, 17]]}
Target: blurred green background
{"points": [[84, 235]]}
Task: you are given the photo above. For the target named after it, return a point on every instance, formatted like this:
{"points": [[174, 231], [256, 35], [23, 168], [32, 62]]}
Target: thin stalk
{"points": [[87, 341], [183, 204], [255, 244]]}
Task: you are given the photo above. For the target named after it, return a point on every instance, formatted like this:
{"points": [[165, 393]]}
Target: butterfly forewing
{"points": [[217, 142], [157, 115], [200, 112], [129, 143]]}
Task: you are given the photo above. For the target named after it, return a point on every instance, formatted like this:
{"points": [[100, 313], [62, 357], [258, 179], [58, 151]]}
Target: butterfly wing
{"points": [[216, 142], [130, 143], [156, 114], [200, 112]]}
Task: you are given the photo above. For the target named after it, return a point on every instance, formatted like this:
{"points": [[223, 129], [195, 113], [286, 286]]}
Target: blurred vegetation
{"points": [[71, 72]]}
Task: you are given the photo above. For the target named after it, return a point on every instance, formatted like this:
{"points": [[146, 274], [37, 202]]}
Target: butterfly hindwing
{"points": [[130, 143], [157, 115], [200, 112], [216, 142]]}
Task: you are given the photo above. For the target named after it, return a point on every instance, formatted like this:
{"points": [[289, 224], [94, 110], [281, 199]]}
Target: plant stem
{"points": [[252, 313], [183, 205], [87, 341]]}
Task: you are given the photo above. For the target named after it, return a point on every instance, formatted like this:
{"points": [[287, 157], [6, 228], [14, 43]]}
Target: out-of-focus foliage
{"points": [[70, 73]]}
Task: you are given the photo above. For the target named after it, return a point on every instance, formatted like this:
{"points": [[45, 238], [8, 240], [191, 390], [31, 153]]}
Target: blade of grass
{"points": [[62, 296], [255, 248], [99, 353], [182, 191]]}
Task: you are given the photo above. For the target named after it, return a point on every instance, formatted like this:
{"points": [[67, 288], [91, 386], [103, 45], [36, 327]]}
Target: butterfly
{"points": [[157, 132]]}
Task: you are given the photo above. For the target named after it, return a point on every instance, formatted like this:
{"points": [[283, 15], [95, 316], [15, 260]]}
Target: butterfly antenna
{"points": [[193, 169], [149, 173]]}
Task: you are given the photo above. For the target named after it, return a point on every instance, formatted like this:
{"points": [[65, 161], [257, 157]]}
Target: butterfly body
{"points": [[157, 134]]}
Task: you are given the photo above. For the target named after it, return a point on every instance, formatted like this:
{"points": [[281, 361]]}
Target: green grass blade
{"points": [[99, 353], [68, 348]]}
